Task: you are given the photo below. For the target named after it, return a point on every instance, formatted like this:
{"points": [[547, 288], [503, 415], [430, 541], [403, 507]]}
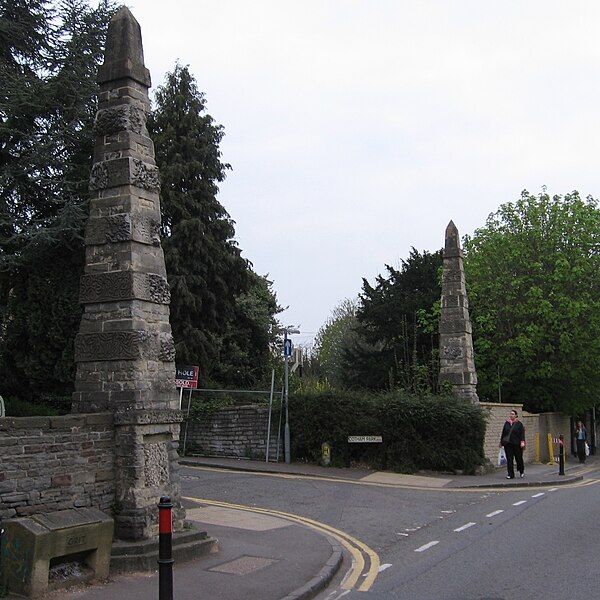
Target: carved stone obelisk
{"points": [[124, 350], [457, 362]]}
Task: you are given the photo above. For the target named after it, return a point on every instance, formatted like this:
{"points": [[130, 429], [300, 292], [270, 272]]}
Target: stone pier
{"points": [[124, 350], [457, 362]]}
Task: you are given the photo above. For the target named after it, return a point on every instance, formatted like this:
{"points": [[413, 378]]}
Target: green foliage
{"points": [[15, 407], [333, 340], [395, 342], [534, 291], [441, 433], [48, 61], [222, 313]]}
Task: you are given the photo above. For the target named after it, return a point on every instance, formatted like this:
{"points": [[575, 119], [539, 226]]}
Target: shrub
{"points": [[16, 407], [440, 433]]}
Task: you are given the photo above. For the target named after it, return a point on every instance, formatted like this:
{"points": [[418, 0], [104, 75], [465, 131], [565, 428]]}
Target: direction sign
{"points": [[186, 377]]}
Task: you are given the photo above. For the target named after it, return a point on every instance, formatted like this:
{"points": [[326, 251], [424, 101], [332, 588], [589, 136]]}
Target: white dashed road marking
{"points": [[466, 526], [553, 490], [538, 495], [427, 546], [493, 514], [519, 502], [384, 567]]}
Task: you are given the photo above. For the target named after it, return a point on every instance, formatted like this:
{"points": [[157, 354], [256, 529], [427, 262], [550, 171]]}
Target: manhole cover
{"points": [[244, 565]]}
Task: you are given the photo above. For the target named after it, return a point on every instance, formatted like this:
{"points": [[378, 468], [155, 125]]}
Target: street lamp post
{"points": [[286, 357]]}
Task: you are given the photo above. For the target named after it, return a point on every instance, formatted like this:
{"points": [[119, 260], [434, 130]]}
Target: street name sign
{"points": [[364, 439]]}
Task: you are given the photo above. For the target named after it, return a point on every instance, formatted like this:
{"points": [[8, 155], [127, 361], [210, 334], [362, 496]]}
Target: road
{"points": [[521, 544]]}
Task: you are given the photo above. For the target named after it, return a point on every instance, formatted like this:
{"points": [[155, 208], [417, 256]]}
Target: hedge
{"points": [[439, 433]]}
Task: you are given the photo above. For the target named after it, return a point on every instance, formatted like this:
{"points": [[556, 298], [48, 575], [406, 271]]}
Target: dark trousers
{"points": [[581, 450], [514, 451]]}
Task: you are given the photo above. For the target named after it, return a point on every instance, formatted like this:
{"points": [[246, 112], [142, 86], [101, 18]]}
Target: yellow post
{"points": [[537, 459], [550, 450]]}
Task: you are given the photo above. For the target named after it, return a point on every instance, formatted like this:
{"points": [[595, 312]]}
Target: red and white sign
{"points": [[186, 377]]}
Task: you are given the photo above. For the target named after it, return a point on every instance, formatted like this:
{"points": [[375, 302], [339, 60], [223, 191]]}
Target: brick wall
{"points": [[544, 423], [53, 463], [239, 431]]}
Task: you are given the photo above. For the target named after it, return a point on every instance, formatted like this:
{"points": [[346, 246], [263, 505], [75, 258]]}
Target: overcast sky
{"points": [[357, 129]]}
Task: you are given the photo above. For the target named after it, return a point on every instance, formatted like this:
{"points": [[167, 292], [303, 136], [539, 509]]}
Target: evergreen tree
{"points": [[46, 146], [221, 311], [396, 342]]}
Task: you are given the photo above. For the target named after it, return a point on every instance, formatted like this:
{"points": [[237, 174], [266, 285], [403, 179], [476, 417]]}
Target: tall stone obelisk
{"points": [[124, 350], [457, 361]]}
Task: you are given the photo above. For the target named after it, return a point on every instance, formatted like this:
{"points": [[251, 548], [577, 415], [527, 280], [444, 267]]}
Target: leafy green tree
{"points": [[50, 55], [397, 334], [221, 311], [333, 339], [534, 291]]}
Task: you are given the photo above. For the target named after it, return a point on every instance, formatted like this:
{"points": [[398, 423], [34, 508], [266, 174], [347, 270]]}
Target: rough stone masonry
{"points": [[457, 362], [124, 350]]}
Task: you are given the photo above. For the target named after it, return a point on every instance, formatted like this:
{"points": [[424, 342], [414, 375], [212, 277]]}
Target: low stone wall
{"points": [[239, 431], [53, 463], [543, 423]]}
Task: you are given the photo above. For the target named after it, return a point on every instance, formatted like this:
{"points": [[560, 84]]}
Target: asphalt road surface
{"points": [[441, 545]]}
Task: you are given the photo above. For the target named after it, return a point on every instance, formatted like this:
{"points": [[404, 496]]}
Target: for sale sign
{"points": [[186, 377]]}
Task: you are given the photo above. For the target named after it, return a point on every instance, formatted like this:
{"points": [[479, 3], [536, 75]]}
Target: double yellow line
{"points": [[365, 561]]}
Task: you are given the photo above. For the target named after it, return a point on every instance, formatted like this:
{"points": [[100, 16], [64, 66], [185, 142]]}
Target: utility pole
{"points": [[287, 352]]}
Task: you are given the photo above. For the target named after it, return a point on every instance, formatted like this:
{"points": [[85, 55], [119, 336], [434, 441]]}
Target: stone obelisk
{"points": [[457, 362], [124, 350]]}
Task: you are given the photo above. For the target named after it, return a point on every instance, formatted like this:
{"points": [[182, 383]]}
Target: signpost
{"points": [[287, 352], [186, 377]]}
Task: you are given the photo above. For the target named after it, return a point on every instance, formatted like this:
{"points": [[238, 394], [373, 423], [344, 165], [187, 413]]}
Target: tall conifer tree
{"points": [[49, 59], [219, 307]]}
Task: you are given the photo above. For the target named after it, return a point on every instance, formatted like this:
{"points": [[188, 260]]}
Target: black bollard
{"points": [[561, 454], [165, 549]]}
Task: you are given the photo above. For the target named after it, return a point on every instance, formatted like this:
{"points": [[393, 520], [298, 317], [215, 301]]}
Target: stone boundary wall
{"points": [[237, 431], [543, 423], [54, 463]]}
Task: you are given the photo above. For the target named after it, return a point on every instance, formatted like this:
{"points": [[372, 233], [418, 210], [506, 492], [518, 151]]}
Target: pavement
{"points": [[265, 557], [535, 474]]}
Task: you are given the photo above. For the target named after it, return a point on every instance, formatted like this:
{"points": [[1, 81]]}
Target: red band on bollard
{"points": [[165, 522]]}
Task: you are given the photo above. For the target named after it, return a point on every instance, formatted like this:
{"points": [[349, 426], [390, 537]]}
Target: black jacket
{"points": [[517, 435]]}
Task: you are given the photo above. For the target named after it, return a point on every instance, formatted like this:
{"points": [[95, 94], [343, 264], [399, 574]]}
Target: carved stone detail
{"points": [[167, 349], [156, 464], [452, 352], [99, 177], [114, 345], [126, 117], [124, 171], [106, 287], [123, 227], [124, 285], [158, 289], [145, 176]]}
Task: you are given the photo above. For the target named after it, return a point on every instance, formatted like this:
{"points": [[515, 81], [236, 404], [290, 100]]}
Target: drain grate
{"points": [[244, 565]]}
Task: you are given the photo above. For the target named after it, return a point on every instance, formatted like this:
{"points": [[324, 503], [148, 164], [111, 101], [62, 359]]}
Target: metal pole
{"points": [[187, 422], [279, 426], [286, 431], [180, 397], [165, 549], [561, 454], [270, 411]]}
